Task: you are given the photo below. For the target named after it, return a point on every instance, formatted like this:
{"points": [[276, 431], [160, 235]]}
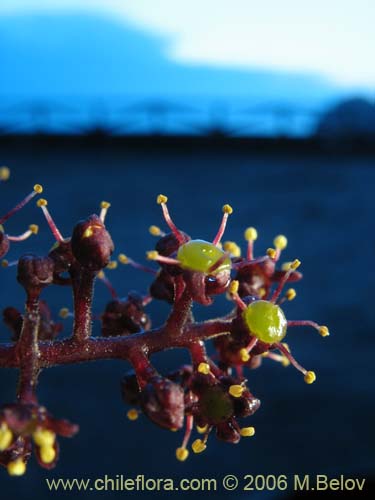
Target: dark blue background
{"points": [[323, 204]]}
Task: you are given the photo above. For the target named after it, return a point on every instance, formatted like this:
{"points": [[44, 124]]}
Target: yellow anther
{"points": [[232, 248], [44, 437], [34, 228], [182, 454], [295, 264], [202, 430], [280, 242], [290, 294], [285, 361], [244, 355], [4, 173], [122, 258], [6, 436], [233, 287], [41, 202], [161, 199], [112, 264], [204, 368], [64, 312], [262, 292], [4, 263], [38, 188], [154, 230], [251, 234], [47, 454], [198, 446], [132, 414], [265, 354], [17, 467], [105, 204], [236, 390], [323, 330], [88, 232], [173, 429], [152, 255], [271, 252], [101, 274], [247, 431], [286, 266], [227, 209], [310, 377]]}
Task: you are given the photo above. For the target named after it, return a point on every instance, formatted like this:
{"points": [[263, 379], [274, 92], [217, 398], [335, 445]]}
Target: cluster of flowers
{"points": [[204, 395]]}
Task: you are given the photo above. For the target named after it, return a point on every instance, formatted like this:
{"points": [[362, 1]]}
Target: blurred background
{"points": [[267, 106]]}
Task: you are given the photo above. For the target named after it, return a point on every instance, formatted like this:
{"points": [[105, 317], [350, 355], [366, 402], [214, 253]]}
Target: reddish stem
{"points": [[27, 353]]}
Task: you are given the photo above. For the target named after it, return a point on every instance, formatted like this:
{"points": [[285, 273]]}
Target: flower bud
{"points": [[163, 402], [168, 244], [162, 288], [92, 244], [124, 317], [34, 273], [61, 254]]}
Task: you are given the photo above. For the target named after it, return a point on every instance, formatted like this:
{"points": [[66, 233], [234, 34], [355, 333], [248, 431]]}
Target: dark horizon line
{"points": [[277, 144]]}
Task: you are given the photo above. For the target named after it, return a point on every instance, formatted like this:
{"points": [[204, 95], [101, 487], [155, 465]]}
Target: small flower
{"points": [[163, 402], [92, 244], [22, 425], [35, 273], [125, 316]]}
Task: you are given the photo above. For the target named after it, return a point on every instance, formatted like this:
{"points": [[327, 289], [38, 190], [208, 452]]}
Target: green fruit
{"points": [[266, 321], [199, 255]]}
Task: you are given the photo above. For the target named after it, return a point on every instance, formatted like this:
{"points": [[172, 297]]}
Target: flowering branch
{"points": [[210, 395]]}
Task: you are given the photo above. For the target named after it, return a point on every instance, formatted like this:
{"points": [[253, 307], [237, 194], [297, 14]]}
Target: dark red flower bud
{"points": [[34, 273], [162, 288], [92, 244], [123, 317], [62, 255], [4, 244], [163, 402], [130, 390], [168, 244]]}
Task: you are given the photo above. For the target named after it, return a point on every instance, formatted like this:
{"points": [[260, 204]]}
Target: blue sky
{"points": [[333, 38]]}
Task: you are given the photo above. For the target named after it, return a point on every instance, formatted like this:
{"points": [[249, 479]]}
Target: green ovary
{"points": [[216, 405], [266, 321], [199, 255]]}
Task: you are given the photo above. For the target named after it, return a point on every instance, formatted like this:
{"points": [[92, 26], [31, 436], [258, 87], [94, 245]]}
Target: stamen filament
{"points": [[42, 203], [162, 200], [104, 209], [289, 356], [154, 255], [227, 210], [276, 294], [124, 259], [37, 190], [33, 229], [108, 284], [322, 330]]}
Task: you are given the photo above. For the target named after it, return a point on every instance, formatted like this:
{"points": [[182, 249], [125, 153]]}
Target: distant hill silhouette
{"points": [[55, 55], [353, 118]]}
